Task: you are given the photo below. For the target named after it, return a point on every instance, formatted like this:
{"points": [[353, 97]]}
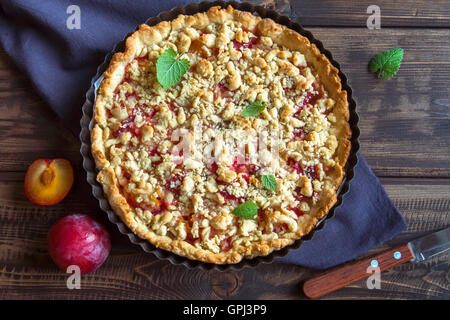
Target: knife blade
{"points": [[416, 251], [430, 245]]}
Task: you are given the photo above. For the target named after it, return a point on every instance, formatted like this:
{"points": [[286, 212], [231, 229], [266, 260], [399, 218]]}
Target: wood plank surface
{"points": [[404, 120], [345, 13], [405, 124]]}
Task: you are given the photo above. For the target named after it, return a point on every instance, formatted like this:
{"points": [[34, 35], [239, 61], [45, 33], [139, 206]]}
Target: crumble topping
{"points": [[184, 158]]}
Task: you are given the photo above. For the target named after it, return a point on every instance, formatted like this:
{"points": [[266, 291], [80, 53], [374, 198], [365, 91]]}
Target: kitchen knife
{"points": [[416, 251]]}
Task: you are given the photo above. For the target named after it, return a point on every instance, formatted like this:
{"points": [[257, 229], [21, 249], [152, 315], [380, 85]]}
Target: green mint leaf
{"points": [[387, 63], [269, 182], [254, 109], [170, 68], [246, 210]]}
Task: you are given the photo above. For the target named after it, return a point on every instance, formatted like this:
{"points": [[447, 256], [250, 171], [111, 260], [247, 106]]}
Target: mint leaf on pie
{"points": [[387, 63], [269, 182], [254, 109], [170, 68], [246, 210]]}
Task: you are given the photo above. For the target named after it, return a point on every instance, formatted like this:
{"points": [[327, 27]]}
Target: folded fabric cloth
{"points": [[59, 45]]}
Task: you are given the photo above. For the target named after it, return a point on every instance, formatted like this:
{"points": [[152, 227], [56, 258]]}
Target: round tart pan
{"points": [[89, 164]]}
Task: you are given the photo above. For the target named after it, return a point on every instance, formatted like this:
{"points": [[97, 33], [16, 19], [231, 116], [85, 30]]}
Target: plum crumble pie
{"points": [[235, 149]]}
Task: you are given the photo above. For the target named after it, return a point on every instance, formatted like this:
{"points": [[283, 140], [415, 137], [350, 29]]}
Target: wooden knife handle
{"points": [[348, 273]]}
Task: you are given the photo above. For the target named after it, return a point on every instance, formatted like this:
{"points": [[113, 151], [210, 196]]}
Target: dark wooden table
{"points": [[405, 124]]}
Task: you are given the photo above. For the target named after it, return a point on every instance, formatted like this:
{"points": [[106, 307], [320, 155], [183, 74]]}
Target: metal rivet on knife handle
{"points": [[349, 273]]}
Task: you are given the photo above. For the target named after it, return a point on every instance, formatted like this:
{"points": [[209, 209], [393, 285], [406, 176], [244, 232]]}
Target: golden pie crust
{"points": [[236, 58]]}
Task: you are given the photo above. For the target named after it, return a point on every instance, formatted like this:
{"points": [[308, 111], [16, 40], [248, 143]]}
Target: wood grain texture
{"points": [[404, 120], [345, 13], [405, 131]]}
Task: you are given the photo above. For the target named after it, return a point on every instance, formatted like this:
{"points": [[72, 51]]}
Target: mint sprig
{"points": [[170, 68], [254, 109], [246, 210], [387, 63], [269, 182]]}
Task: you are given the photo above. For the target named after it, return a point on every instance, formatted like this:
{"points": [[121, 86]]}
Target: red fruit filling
{"points": [[154, 152], [300, 197], [212, 167], [279, 227], [213, 232], [141, 59], [252, 42], [162, 206], [172, 106], [297, 166], [297, 211], [230, 197], [131, 94], [191, 239], [222, 88], [221, 91], [248, 168], [128, 125], [299, 134], [311, 98], [126, 77], [226, 244], [312, 172], [174, 183]]}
